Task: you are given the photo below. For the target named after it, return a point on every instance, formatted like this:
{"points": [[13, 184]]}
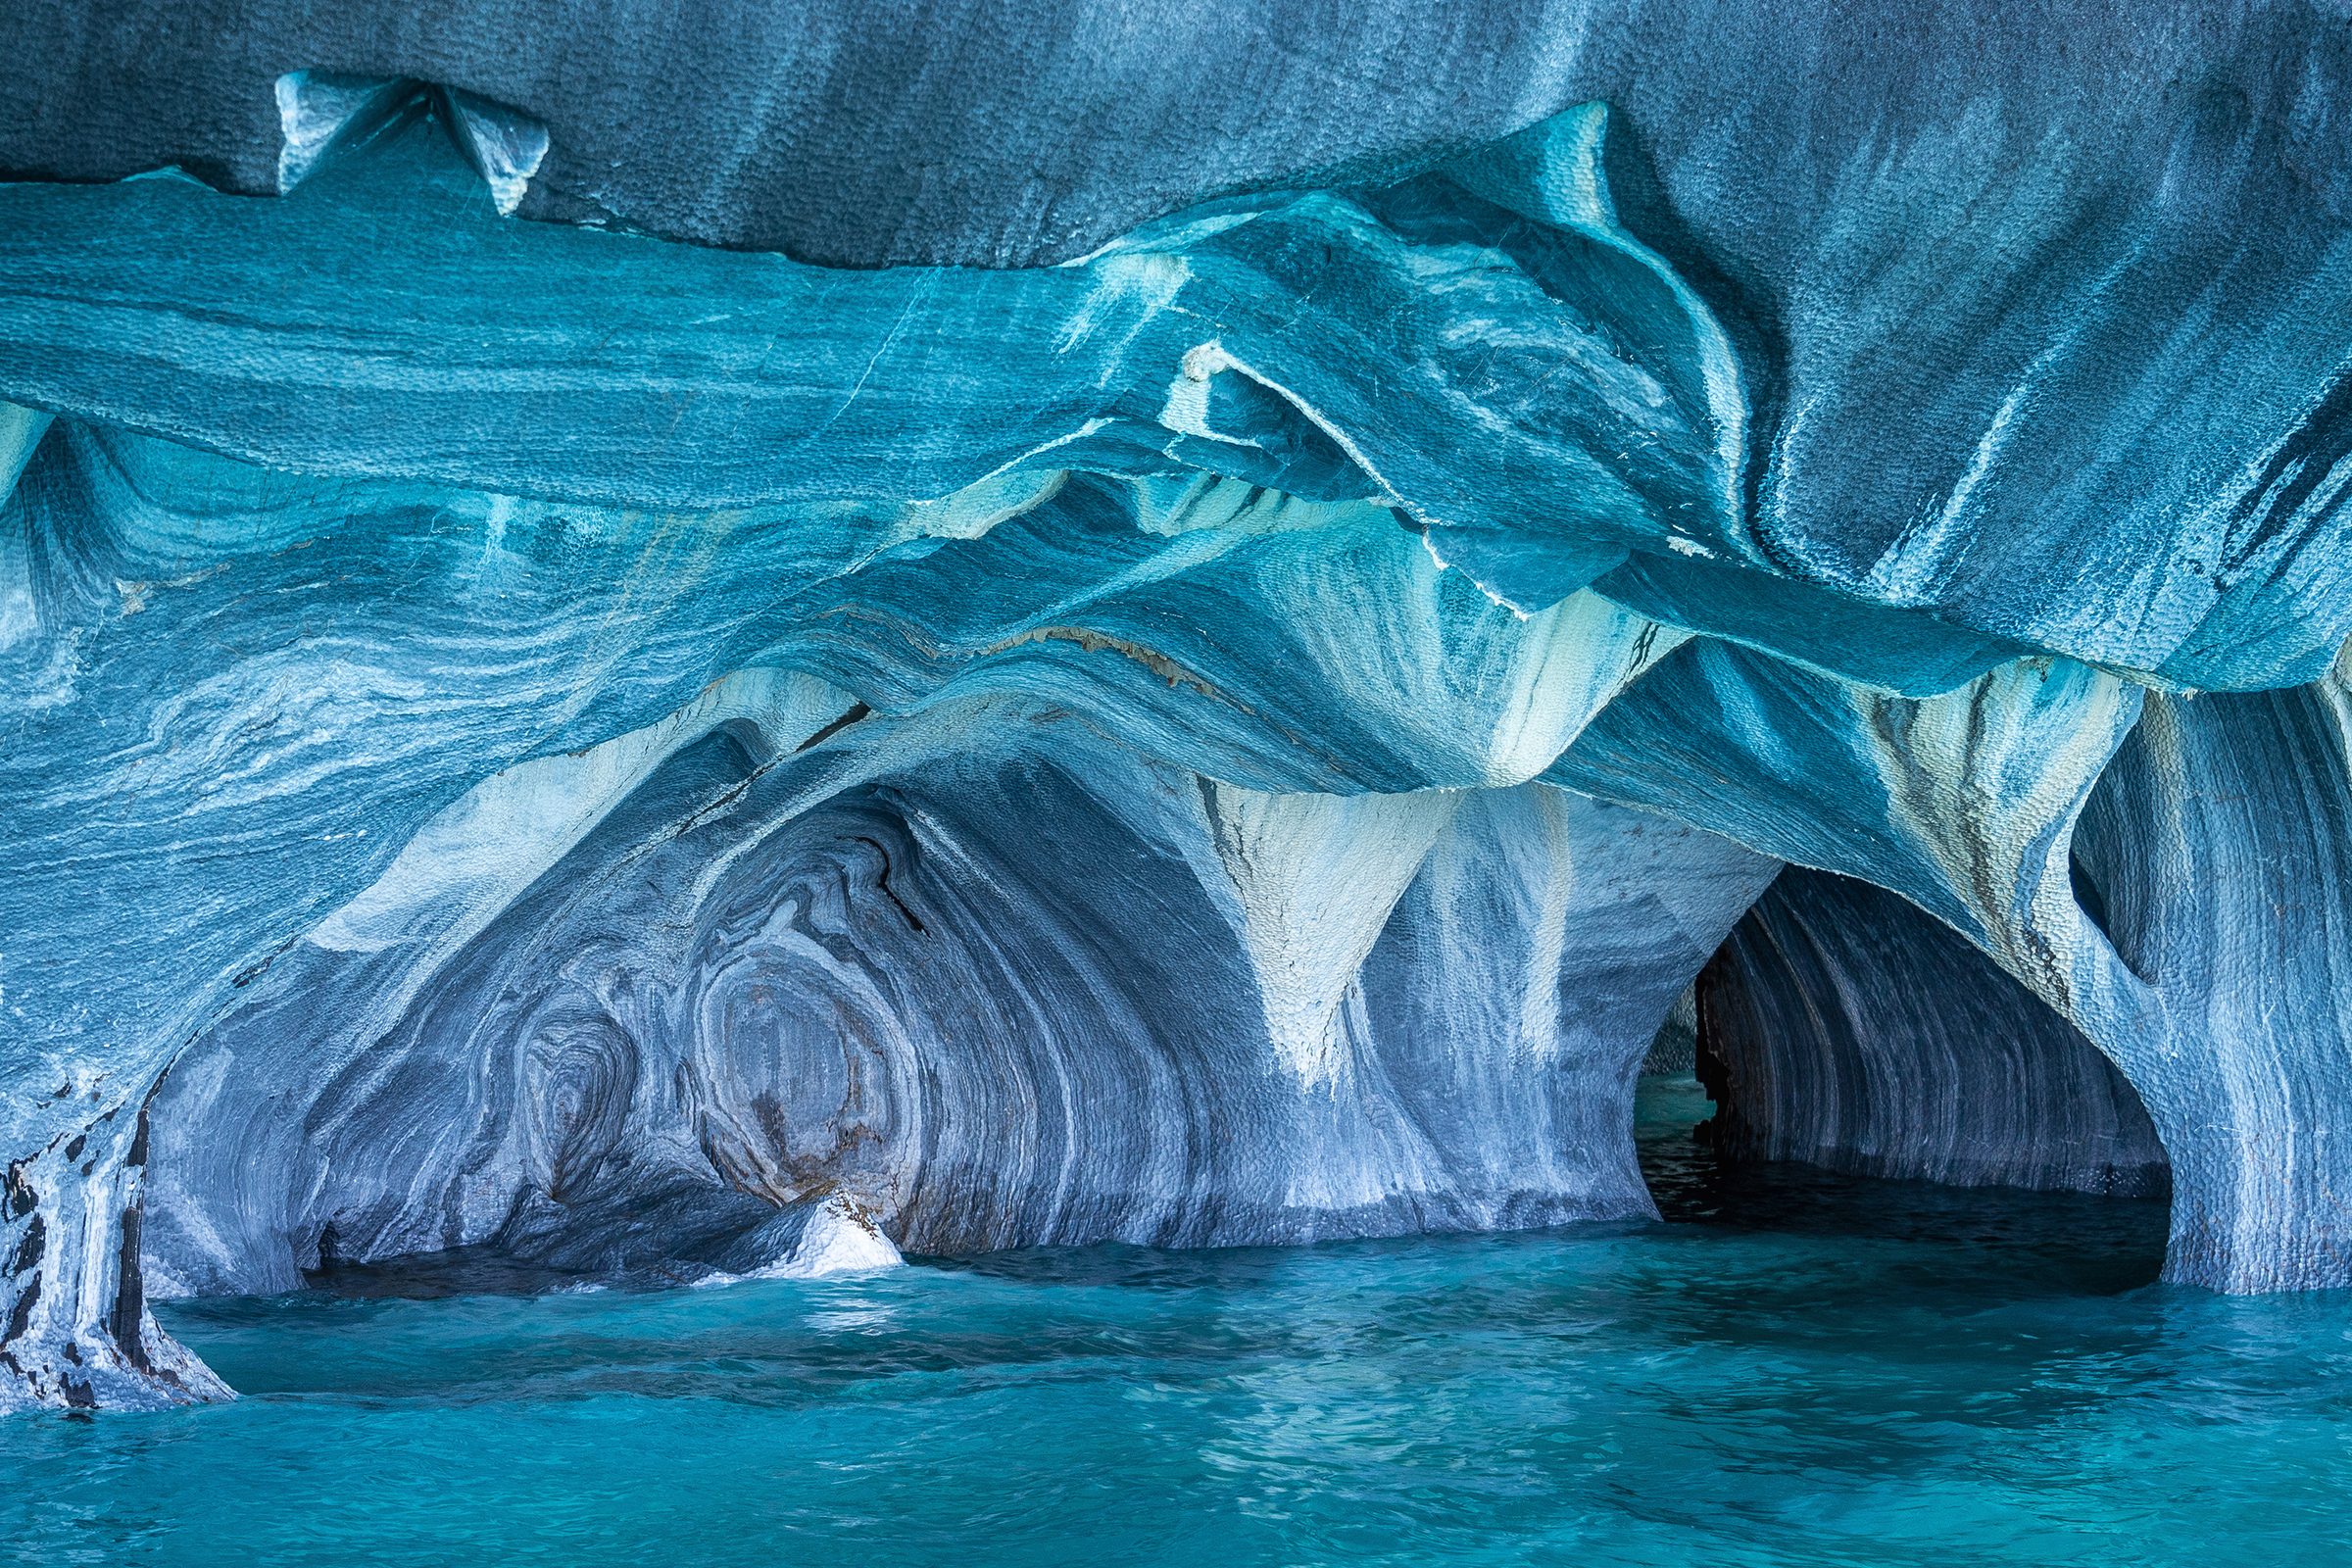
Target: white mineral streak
{"points": [[505, 147], [20, 432], [471, 860], [319, 114], [1557, 178], [1317, 875]]}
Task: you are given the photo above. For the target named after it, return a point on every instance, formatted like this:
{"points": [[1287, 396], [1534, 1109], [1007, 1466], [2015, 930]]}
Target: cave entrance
{"points": [[1846, 1065]]}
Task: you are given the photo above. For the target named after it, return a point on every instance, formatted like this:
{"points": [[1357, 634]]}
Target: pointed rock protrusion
{"points": [[822, 1238], [1317, 875], [506, 147], [20, 433], [320, 113]]}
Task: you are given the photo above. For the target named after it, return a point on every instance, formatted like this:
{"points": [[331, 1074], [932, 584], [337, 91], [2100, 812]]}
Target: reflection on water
{"points": [[1795, 1369]]}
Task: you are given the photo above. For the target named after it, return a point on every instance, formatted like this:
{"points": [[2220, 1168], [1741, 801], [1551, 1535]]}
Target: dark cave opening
{"points": [[1846, 1065], [2088, 895]]}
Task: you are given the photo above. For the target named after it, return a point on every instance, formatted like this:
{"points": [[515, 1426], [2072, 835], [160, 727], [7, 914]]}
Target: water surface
{"points": [[1796, 1369]]}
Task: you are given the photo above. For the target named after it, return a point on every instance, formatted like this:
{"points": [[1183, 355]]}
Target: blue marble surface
{"points": [[646, 756]]}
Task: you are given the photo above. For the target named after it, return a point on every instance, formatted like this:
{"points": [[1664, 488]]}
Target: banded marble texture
{"points": [[534, 739]]}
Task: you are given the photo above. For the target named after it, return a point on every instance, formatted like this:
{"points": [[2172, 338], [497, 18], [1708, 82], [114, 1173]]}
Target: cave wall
{"points": [[1840, 1027], [990, 1000], [2217, 847]]}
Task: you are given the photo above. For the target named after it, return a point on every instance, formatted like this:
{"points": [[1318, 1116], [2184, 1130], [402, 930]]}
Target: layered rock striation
{"points": [[568, 742]]}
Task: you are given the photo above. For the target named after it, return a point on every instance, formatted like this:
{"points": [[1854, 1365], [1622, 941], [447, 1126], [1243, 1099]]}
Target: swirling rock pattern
{"points": [[625, 753], [988, 1000]]}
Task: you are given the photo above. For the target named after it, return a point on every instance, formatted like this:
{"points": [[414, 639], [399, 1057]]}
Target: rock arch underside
{"points": [[753, 651]]}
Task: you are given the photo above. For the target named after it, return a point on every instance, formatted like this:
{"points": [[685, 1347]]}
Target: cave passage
{"points": [[1846, 1066]]}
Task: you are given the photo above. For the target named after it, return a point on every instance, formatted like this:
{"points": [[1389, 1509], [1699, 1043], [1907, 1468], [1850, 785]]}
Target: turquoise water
{"points": [[1799, 1369]]}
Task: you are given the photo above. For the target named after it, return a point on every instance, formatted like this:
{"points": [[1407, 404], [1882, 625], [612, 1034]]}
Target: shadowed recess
{"points": [[1840, 1027]]}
